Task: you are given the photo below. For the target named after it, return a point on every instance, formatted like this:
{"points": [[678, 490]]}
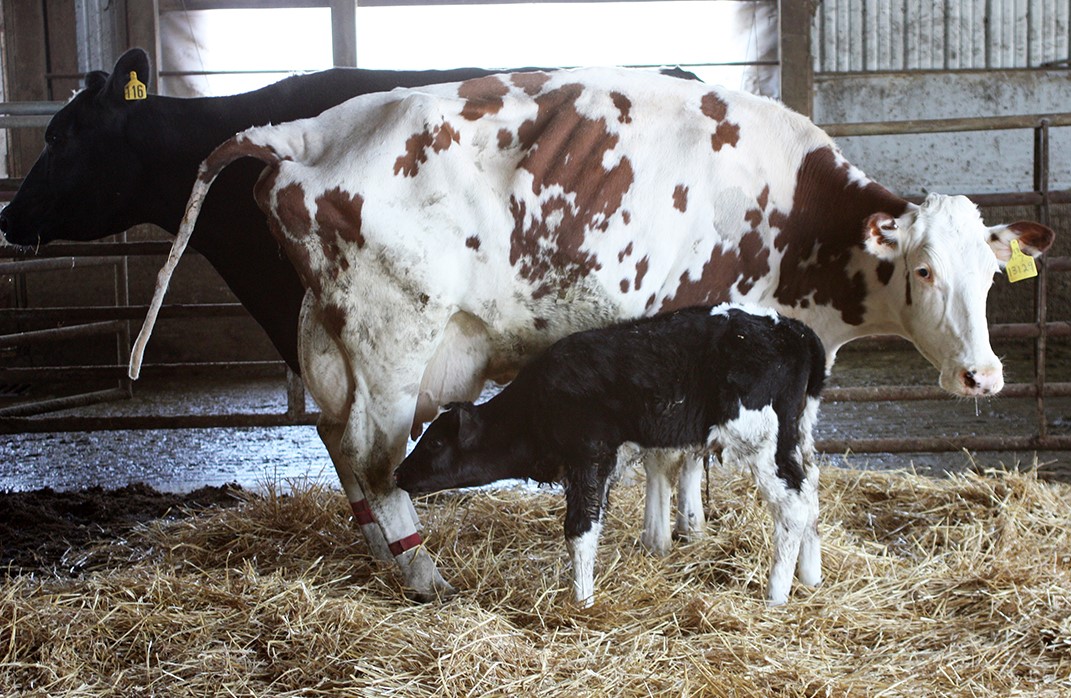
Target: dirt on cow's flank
{"points": [[956, 586]]}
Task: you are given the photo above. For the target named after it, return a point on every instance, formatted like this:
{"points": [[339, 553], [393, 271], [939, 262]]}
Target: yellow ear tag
{"points": [[1020, 266], [134, 89]]}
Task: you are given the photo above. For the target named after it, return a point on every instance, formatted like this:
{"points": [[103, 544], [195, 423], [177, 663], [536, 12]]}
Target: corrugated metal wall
{"points": [[894, 35]]}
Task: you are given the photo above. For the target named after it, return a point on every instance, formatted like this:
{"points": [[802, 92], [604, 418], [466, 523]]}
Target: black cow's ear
{"points": [[134, 61], [95, 80]]}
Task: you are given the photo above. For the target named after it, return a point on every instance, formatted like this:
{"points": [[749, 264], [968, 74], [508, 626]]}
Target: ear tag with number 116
{"points": [[135, 89], [1020, 266]]}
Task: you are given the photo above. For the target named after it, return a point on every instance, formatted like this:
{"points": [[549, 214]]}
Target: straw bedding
{"points": [[955, 586]]}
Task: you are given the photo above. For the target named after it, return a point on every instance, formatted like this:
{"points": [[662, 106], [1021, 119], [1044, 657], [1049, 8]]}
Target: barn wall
{"points": [[896, 60]]}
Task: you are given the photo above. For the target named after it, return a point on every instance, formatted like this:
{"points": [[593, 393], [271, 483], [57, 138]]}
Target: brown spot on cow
{"points": [[719, 273], [505, 138], [531, 83], [626, 217], [713, 107], [334, 318], [885, 271], [755, 216], [624, 107], [624, 285], [680, 198], [416, 148], [483, 96], [472, 242], [338, 213], [540, 323], [820, 233], [627, 252], [565, 152], [726, 132], [641, 271], [650, 302], [754, 261]]}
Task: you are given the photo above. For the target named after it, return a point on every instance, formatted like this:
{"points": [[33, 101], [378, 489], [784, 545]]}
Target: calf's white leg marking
{"points": [[690, 517], [752, 438], [656, 535], [582, 550], [809, 569]]}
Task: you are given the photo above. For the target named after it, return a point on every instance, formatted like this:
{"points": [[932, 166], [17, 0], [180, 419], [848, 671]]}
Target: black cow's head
{"points": [[85, 184]]}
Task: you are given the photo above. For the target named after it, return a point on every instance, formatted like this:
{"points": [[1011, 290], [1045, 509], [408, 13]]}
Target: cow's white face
{"points": [[948, 259]]}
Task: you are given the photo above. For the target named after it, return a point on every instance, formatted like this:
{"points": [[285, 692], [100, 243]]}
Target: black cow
{"points": [[110, 164], [696, 378]]}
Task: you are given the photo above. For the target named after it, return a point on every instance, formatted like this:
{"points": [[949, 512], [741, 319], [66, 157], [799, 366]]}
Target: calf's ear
{"points": [[1034, 239], [134, 61], [469, 426]]}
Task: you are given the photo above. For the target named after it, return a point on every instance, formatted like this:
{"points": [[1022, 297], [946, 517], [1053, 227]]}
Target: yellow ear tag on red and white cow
{"points": [[135, 89], [1020, 266]]}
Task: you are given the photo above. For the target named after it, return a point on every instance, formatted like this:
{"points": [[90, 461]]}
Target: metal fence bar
{"points": [[59, 333]]}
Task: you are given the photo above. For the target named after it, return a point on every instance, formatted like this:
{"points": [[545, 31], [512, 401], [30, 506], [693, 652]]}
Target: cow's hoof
{"points": [[440, 591]]}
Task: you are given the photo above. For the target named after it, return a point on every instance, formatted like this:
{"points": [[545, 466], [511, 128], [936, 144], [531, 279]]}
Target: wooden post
{"points": [[797, 61], [25, 65], [143, 30]]}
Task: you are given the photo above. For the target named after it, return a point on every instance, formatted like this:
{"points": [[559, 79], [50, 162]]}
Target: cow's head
{"points": [[457, 450], [948, 259], [84, 184]]}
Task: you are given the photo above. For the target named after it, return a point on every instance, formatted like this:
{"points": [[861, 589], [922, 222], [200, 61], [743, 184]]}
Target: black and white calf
{"points": [[745, 382]]}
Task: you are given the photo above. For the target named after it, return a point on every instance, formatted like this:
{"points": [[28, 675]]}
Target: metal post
{"points": [[1041, 185]]}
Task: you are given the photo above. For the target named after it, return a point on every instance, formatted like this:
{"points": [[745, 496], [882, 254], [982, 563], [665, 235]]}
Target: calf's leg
{"points": [[809, 569], [656, 505], [586, 493], [690, 517], [752, 438]]}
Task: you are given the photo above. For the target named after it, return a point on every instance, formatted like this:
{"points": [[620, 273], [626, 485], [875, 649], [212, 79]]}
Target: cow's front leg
{"points": [[372, 446], [331, 434]]}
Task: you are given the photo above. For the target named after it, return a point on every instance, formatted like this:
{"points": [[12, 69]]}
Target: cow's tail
{"points": [[233, 149]]}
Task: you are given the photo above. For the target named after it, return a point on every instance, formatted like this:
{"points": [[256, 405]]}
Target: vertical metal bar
{"points": [[295, 395], [122, 299], [1041, 185], [344, 33]]}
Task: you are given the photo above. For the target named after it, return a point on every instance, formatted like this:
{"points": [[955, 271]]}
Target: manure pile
{"points": [[954, 586]]}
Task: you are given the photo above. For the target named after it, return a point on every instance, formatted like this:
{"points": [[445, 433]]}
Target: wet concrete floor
{"points": [[180, 460]]}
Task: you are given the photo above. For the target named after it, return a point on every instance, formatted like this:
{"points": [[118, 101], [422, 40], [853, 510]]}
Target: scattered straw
{"points": [[955, 586]]}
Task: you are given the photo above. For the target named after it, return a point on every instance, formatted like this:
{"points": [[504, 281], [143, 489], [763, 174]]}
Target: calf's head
{"points": [[948, 259], [458, 449], [89, 181]]}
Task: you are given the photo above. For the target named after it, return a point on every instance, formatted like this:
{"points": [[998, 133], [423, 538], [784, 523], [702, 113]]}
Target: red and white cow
{"points": [[446, 234]]}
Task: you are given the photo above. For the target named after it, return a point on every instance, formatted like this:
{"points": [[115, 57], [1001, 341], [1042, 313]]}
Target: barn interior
{"points": [[185, 534]]}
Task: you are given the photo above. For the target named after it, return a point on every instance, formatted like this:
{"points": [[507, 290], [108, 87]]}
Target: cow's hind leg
{"points": [[331, 435]]}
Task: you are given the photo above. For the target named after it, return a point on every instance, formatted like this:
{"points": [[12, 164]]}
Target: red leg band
{"points": [[362, 512], [400, 546]]}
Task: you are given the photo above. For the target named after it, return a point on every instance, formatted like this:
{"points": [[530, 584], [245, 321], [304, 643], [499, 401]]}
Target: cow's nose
{"points": [[985, 381]]}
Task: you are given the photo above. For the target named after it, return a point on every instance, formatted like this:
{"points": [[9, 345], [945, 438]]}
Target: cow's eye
{"points": [[924, 273], [435, 444]]}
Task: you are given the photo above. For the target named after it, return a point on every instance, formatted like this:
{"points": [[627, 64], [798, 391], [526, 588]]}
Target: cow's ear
{"points": [[881, 236], [95, 80], [134, 61], [1034, 239], [469, 425]]}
